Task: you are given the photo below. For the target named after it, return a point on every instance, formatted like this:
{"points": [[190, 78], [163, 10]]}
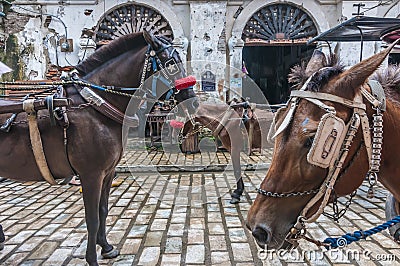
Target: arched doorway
{"points": [[275, 40], [129, 18]]}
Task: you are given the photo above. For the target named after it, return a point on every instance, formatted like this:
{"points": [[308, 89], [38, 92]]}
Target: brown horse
{"points": [[298, 184], [228, 124], [95, 141]]}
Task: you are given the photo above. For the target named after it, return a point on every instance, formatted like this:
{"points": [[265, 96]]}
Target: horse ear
{"points": [[152, 40], [358, 74], [317, 61]]}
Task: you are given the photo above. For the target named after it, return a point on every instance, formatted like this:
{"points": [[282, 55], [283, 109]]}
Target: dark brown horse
{"points": [[94, 141], [298, 185]]}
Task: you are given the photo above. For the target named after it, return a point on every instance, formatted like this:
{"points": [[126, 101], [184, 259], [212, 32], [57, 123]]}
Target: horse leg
{"points": [[107, 250], [392, 210], [2, 238], [91, 186], [235, 156]]}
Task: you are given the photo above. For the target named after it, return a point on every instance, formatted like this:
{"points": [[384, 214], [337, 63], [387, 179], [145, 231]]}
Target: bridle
{"points": [[166, 69], [331, 147], [152, 62]]}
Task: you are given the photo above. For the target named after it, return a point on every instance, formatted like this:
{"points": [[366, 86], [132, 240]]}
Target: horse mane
{"points": [[297, 76], [389, 78], [112, 50]]}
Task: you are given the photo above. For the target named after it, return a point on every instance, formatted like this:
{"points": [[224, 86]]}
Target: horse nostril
{"points": [[262, 235]]}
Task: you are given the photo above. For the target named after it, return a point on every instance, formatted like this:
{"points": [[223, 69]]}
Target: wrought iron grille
{"points": [[130, 18], [279, 23]]}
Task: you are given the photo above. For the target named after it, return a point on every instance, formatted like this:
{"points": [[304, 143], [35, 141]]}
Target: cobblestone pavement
{"points": [[138, 159], [177, 218]]}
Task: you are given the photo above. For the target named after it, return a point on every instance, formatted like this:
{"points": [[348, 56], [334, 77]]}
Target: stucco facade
{"points": [[202, 30]]}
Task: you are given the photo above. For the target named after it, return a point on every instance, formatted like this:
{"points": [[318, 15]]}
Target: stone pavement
{"points": [[178, 218]]}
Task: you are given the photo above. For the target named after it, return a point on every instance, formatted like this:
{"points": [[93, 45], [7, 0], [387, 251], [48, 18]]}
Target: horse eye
{"points": [[309, 142]]}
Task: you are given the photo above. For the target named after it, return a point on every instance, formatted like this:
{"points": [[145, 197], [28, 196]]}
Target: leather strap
{"points": [[327, 97], [288, 118], [223, 122], [106, 108], [36, 142], [50, 108], [378, 93]]}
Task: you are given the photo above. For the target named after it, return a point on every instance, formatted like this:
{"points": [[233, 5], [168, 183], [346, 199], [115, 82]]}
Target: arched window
{"points": [[130, 18], [279, 23]]}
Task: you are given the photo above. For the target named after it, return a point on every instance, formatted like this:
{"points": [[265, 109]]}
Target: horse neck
{"points": [[123, 71], [390, 168], [356, 165], [208, 115]]}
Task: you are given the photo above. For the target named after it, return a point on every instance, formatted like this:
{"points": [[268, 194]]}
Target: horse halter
{"points": [[331, 147], [167, 70]]}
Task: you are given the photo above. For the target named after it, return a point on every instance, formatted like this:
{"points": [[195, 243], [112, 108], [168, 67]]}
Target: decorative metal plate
{"points": [[279, 23], [130, 18]]}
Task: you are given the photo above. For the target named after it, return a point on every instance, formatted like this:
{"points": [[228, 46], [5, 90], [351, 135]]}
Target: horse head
{"points": [[171, 69], [122, 63], [316, 120]]}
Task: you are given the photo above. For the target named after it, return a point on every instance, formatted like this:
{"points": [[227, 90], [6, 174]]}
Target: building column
{"points": [[235, 45], [208, 44]]}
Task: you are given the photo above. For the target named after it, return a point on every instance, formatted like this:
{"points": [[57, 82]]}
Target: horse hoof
{"points": [[234, 201], [111, 254], [1, 245]]}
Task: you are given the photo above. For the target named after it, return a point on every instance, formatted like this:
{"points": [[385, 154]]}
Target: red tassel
{"points": [[176, 124], [184, 83]]}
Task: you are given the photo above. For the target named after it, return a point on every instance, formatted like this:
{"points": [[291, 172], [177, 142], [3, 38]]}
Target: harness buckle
{"points": [[297, 232]]}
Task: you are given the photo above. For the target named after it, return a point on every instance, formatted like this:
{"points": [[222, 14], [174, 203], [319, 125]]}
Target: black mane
{"points": [[297, 76], [113, 49], [389, 78]]}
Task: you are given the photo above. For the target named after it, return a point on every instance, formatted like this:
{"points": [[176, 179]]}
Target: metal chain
{"points": [[287, 194], [308, 192], [377, 141], [337, 214]]}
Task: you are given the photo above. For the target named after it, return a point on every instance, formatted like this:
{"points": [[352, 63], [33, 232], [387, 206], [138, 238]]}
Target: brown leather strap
{"points": [[223, 121], [39, 104], [106, 108], [36, 142]]}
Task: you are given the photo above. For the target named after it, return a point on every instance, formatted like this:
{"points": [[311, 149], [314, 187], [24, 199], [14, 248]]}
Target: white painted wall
{"points": [[349, 52], [207, 22], [190, 21]]}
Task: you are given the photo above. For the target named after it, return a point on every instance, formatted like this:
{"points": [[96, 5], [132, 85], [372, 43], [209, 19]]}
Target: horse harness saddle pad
{"points": [[328, 139]]}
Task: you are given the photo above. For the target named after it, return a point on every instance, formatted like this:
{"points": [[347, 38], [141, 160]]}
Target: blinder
{"points": [[276, 122], [327, 142]]}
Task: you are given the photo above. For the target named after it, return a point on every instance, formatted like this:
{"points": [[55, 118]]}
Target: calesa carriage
{"points": [[76, 129]]}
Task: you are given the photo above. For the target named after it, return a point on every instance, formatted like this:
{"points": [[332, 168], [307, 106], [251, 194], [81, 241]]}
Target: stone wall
{"points": [[203, 30]]}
